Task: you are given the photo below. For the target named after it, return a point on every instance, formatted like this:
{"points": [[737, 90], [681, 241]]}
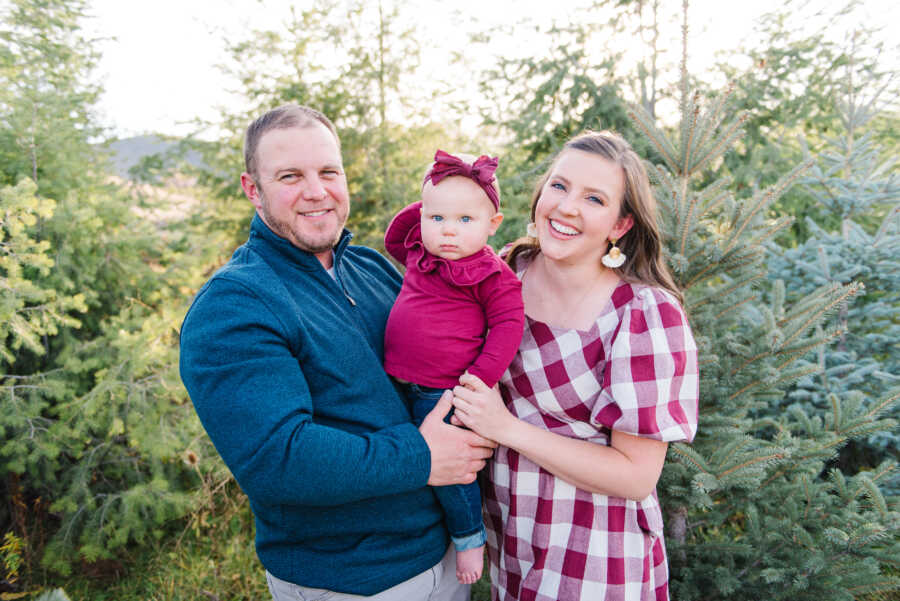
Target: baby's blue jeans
{"points": [[461, 502]]}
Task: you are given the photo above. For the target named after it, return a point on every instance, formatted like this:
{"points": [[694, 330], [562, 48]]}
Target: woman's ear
{"points": [[622, 226]]}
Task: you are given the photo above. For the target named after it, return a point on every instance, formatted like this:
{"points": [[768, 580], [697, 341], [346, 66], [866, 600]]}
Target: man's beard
{"points": [[297, 239]]}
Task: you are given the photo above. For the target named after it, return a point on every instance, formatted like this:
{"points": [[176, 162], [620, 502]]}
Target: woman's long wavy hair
{"points": [[642, 244]]}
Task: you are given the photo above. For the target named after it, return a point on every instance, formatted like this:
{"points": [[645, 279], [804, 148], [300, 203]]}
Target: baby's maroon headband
{"points": [[481, 172]]}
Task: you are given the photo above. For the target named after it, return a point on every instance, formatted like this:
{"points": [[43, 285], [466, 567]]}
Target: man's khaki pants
{"points": [[436, 584]]}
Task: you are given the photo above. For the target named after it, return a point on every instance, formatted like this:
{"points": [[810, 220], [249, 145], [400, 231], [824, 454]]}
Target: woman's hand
{"points": [[480, 408], [586, 464]]}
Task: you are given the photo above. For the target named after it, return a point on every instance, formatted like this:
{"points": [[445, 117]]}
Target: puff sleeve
{"points": [[396, 236], [650, 384]]}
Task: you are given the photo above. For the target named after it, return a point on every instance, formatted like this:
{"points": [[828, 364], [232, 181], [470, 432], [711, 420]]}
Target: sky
{"points": [[158, 65]]}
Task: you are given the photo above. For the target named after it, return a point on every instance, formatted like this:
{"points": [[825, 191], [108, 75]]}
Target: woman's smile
{"points": [[562, 228]]}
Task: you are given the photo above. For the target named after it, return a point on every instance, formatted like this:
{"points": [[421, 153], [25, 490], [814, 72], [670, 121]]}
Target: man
{"points": [[281, 352]]}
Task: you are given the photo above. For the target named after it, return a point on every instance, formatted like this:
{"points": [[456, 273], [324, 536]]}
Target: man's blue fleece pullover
{"points": [[284, 366]]}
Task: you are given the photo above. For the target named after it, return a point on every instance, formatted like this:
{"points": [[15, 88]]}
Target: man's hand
{"points": [[456, 454]]}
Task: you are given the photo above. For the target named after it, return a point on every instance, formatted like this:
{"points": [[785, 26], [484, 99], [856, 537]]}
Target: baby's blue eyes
{"points": [[558, 186], [439, 218]]}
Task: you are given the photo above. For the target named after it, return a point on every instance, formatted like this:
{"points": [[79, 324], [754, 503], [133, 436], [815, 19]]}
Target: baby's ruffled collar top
{"points": [[467, 271]]}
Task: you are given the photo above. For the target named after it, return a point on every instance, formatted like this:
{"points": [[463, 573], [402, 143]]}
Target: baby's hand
{"points": [[469, 381], [480, 408]]}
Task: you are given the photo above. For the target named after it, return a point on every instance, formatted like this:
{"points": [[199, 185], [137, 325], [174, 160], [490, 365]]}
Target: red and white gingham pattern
{"points": [[634, 371]]}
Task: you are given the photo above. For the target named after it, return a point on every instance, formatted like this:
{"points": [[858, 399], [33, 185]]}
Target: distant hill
{"points": [[129, 152]]}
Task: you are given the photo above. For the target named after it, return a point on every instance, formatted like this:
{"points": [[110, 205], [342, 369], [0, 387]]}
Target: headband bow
{"points": [[481, 172]]}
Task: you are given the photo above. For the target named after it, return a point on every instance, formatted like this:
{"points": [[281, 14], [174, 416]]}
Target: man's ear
{"points": [[251, 190], [496, 220]]}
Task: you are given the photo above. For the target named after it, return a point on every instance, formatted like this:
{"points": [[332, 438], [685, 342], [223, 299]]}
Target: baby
{"points": [[459, 310]]}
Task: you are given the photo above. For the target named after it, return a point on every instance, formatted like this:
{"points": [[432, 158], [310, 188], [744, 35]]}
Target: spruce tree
{"points": [[754, 509], [856, 185], [791, 88]]}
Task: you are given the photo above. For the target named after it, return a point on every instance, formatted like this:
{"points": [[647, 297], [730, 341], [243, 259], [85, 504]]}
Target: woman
{"points": [[605, 377]]}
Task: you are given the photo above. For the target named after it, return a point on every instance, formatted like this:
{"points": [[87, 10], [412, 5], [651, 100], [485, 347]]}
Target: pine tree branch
{"points": [[800, 459], [737, 448], [686, 225], [767, 458], [836, 411], [882, 470], [699, 276], [663, 179], [662, 146], [684, 56], [882, 405], [719, 293], [750, 361], [713, 195], [849, 292], [822, 448], [758, 383], [871, 490], [711, 118], [809, 303], [758, 561], [796, 375], [805, 347], [795, 352], [688, 138], [780, 224], [767, 198], [884, 586], [885, 223], [731, 308], [726, 261], [725, 141], [689, 458]]}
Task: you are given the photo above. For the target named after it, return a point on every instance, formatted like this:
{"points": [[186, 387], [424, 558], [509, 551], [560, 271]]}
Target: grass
{"points": [[212, 559], [481, 590]]}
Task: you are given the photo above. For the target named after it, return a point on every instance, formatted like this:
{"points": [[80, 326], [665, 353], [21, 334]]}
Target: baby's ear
{"points": [[496, 220]]}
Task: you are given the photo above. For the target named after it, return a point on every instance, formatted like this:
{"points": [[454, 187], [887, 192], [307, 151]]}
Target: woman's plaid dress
{"points": [[634, 371]]}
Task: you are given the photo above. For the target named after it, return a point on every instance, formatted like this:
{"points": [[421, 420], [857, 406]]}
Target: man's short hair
{"points": [[283, 117]]}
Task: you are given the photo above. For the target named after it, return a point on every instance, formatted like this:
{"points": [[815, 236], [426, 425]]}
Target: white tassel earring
{"points": [[531, 230], [614, 257]]}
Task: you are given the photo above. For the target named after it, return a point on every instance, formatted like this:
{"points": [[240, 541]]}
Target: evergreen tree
{"points": [[754, 512], [93, 422], [357, 63], [853, 183], [47, 96], [29, 311], [537, 102], [790, 93]]}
